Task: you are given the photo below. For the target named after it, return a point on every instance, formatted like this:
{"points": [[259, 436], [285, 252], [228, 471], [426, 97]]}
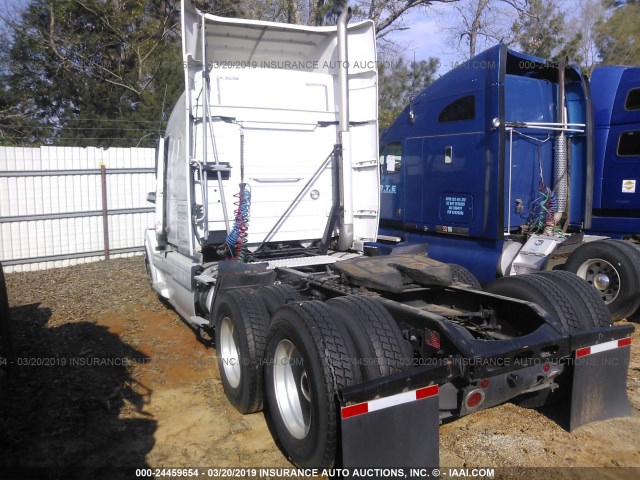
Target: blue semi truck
{"points": [[512, 164]]}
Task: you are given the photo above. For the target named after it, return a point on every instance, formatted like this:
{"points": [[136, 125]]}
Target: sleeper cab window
{"points": [[629, 144], [391, 158], [461, 109], [633, 99]]}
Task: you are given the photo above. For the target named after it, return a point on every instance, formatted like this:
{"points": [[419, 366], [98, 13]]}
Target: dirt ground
{"points": [[111, 377]]}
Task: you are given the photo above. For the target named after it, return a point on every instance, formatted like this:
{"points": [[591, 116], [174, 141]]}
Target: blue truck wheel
{"points": [[612, 267], [591, 309], [543, 292], [462, 275]]}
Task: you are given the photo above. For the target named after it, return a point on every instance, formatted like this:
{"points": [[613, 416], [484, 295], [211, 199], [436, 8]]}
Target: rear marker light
{"points": [[546, 367], [603, 347], [484, 383], [474, 399], [432, 339]]}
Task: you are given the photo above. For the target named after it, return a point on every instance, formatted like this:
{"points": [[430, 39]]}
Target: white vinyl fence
{"points": [[51, 204]]}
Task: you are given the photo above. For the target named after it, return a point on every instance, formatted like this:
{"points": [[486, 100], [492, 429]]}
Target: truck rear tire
{"points": [[381, 349], [241, 322], [274, 296], [462, 275], [307, 362], [543, 292], [592, 311], [612, 268]]}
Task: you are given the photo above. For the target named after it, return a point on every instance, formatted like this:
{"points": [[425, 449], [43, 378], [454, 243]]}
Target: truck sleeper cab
{"points": [[485, 167], [266, 199]]}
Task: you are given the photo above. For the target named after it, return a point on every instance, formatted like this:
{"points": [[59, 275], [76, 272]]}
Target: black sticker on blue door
{"points": [[456, 207]]}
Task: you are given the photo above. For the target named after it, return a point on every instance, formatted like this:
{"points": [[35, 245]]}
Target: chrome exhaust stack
{"points": [[560, 163], [345, 239]]}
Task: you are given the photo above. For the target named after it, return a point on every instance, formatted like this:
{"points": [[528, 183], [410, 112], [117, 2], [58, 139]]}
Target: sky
{"points": [[426, 36]]}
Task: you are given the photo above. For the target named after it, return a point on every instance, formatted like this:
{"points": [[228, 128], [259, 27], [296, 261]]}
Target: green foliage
{"points": [[618, 38], [539, 29], [103, 72], [92, 72], [571, 50], [329, 11], [399, 83], [305, 12], [223, 8]]}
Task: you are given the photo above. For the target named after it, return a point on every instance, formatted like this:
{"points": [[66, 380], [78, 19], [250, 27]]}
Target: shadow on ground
{"points": [[62, 406]]}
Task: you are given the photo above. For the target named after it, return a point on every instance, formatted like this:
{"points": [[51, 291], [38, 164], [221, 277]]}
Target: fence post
{"points": [[105, 211]]}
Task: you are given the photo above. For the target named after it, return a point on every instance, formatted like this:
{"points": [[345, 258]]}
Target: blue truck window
{"points": [[629, 144], [633, 99], [393, 157], [461, 109]]}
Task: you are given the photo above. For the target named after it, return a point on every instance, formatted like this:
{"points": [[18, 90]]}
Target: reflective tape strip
{"points": [[387, 402], [603, 347]]}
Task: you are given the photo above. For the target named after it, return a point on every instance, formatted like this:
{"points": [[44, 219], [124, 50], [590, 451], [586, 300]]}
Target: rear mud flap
{"points": [[599, 389], [399, 431]]}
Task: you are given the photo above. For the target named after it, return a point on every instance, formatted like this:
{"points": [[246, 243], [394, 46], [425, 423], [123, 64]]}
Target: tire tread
{"points": [[334, 354], [254, 320], [599, 315], [563, 310], [462, 275], [383, 334]]}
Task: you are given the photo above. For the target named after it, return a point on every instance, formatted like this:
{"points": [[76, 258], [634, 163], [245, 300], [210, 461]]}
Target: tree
{"points": [[618, 38], [93, 72], [312, 12], [539, 30], [399, 83], [389, 14], [587, 18], [386, 14], [223, 8], [481, 24], [102, 72]]}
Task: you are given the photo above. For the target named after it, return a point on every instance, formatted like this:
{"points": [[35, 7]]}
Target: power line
{"points": [[75, 138], [112, 120], [146, 129]]}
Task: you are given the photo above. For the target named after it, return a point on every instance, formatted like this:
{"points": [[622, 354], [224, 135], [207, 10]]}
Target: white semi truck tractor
{"points": [[267, 197]]}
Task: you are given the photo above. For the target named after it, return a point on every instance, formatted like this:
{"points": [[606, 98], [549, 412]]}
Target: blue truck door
{"points": [[401, 184], [454, 167], [392, 191]]}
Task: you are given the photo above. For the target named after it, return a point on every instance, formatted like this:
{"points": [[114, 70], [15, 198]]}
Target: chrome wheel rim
{"points": [[602, 276], [230, 353], [292, 392]]}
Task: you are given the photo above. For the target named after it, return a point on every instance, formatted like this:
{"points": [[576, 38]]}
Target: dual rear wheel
{"points": [[298, 356]]}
